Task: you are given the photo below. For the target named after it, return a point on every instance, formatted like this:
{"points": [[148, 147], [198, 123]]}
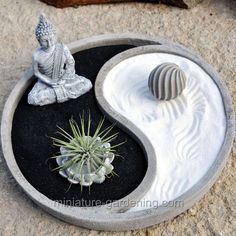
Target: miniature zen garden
{"points": [[119, 121]]}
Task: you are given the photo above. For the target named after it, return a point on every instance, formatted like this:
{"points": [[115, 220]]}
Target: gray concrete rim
{"points": [[105, 219]]}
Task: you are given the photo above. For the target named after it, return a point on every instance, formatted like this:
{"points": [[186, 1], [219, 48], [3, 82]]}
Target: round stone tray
{"points": [[114, 216]]}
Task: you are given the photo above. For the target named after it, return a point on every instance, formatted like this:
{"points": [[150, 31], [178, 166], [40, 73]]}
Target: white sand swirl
{"points": [[187, 140], [144, 106], [168, 188], [173, 109]]}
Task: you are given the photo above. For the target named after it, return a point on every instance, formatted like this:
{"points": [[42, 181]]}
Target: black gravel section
{"points": [[32, 146]]}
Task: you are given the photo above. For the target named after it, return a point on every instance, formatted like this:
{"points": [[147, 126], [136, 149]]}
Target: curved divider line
{"points": [[135, 132]]}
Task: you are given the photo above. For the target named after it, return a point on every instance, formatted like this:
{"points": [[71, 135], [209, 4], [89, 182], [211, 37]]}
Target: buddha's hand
{"points": [[61, 82], [58, 83]]}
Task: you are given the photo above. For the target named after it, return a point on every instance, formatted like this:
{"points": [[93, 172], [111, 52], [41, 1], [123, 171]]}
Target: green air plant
{"points": [[85, 158]]}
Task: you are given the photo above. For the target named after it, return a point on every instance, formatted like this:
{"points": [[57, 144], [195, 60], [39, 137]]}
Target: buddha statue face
{"points": [[47, 41]]}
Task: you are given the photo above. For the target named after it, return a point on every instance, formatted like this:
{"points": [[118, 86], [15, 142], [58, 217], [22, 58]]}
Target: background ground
{"points": [[208, 29]]}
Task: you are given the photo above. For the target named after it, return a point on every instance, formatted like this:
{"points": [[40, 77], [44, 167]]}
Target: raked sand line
{"points": [[187, 140]]}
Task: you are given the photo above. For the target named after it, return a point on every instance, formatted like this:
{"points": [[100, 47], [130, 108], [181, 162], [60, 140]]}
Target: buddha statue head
{"points": [[45, 33]]}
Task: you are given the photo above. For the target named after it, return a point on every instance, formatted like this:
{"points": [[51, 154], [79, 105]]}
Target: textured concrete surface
{"points": [[208, 29]]}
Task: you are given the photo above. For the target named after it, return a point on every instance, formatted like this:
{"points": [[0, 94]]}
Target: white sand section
{"points": [[187, 132]]}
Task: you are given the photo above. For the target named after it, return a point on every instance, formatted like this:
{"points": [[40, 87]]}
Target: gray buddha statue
{"points": [[54, 67]]}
